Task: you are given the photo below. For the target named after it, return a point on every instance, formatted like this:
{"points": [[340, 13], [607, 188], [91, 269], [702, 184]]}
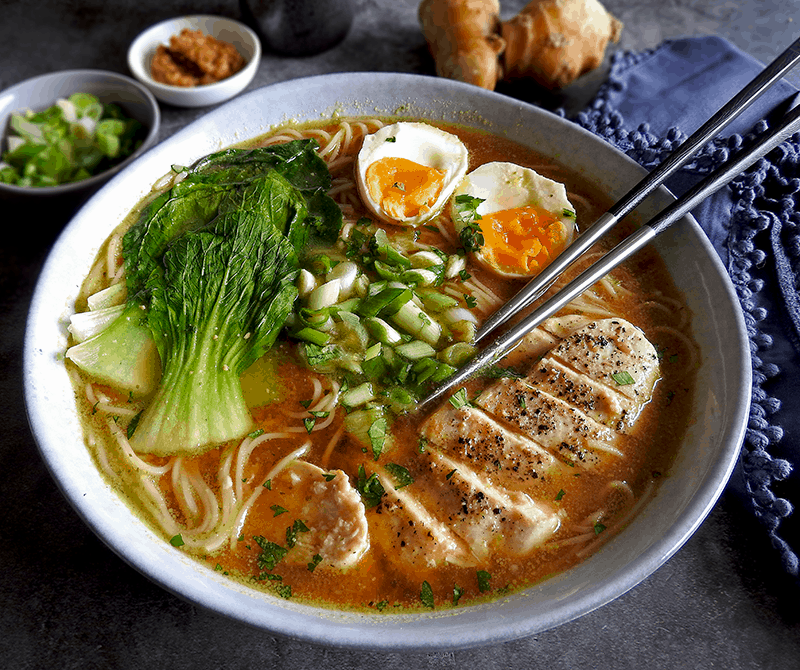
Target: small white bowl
{"points": [[41, 92], [143, 48]]}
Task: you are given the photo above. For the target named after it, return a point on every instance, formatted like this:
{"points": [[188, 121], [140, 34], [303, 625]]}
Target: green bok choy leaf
{"points": [[210, 268]]}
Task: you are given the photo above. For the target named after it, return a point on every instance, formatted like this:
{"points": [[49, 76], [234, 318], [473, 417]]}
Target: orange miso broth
{"points": [[247, 508]]}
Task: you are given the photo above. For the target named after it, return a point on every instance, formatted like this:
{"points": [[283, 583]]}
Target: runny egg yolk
{"points": [[402, 187], [522, 240]]}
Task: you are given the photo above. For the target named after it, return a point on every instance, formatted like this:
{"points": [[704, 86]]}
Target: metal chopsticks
{"points": [[503, 344], [741, 101]]}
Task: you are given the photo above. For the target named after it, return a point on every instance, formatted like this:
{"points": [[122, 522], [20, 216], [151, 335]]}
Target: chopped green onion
{"points": [[459, 398], [415, 350], [357, 396]]}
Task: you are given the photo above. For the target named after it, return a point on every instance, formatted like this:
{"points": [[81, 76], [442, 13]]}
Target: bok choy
{"points": [[211, 267]]}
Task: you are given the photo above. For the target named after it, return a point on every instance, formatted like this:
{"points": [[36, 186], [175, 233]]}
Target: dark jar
{"points": [[298, 27]]}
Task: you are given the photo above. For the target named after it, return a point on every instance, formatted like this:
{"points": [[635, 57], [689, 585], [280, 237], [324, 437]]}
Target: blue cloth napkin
{"points": [[650, 103]]}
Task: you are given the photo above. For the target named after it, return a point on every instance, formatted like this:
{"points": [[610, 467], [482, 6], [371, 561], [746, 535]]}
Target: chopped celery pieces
{"points": [[211, 265], [74, 139]]}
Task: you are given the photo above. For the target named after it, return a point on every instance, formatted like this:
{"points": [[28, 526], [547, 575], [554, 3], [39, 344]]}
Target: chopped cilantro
{"points": [[382, 605], [568, 213], [457, 593], [401, 475], [471, 301], [256, 433], [329, 476], [498, 372], [471, 235], [484, 579], [560, 494], [623, 378], [176, 540], [267, 485], [426, 595], [271, 553], [422, 444], [370, 488], [377, 436], [132, 425], [315, 561], [450, 474], [598, 528], [278, 510], [283, 590], [309, 423], [318, 355], [293, 531]]}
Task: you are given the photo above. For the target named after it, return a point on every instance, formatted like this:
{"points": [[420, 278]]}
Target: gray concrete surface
{"points": [[66, 601]]}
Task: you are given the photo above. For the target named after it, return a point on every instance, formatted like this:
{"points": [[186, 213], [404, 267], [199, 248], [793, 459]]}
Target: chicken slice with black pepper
{"points": [[333, 512]]}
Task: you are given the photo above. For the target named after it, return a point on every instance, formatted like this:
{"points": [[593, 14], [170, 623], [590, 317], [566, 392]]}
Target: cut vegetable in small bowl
{"points": [[70, 131]]}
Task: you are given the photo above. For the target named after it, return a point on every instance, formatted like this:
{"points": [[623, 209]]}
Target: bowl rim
{"points": [[97, 179], [395, 632], [139, 48]]}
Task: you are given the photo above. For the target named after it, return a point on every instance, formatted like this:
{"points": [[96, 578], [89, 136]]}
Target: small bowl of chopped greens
{"points": [[71, 131]]}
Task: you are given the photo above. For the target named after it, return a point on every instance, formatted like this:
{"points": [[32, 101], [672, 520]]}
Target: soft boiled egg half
{"points": [[525, 219], [406, 172]]}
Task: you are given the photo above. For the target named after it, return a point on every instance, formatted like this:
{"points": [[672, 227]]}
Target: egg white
{"points": [[504, 186], [423, 144]]}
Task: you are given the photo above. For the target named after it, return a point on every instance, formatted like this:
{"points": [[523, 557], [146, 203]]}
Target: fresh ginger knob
{"points": [[554, 42], [464, 39]]}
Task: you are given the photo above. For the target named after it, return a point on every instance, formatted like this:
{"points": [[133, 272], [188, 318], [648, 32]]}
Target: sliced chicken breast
{"points": [[488, 518], [403, 525], [508, 458], [333, 512]]}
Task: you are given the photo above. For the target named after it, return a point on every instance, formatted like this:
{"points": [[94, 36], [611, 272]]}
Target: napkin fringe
{"points": [[753, 212]]}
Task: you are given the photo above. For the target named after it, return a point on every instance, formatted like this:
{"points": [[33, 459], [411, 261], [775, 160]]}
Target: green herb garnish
{"points": [[278, 510], [426, 595], [623, 378], [401, 475], [370, 488], [271, 553]]}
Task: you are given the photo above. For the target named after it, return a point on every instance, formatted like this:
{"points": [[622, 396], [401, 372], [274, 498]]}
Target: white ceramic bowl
{"points": [[143, 48], [700, 472], [42, 92]]}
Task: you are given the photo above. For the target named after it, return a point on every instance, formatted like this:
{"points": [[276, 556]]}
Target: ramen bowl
{"points": [[687, 493]]}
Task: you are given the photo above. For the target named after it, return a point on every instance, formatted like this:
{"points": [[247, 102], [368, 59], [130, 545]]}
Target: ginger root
{"points": [[464, 39], [552, 42]]}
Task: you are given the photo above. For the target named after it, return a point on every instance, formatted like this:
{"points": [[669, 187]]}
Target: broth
{"points": [[280, 389]]}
